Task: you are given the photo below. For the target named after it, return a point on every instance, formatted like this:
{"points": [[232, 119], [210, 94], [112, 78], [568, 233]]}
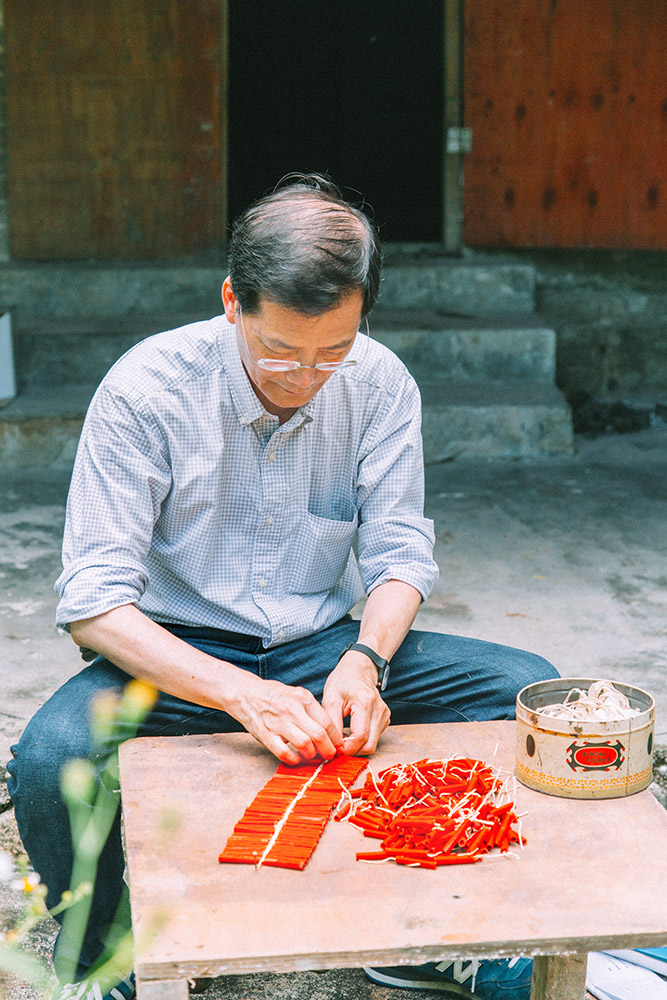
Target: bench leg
{"points": [[162, 989], [559, 977]]}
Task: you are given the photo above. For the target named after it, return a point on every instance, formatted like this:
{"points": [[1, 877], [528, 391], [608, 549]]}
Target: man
{"points": [[223, 474]]}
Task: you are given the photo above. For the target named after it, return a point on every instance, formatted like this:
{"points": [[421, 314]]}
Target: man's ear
{"points": [[229, 300]]}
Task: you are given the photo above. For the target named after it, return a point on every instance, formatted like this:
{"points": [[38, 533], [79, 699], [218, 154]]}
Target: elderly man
{"points": [[224, 472]]}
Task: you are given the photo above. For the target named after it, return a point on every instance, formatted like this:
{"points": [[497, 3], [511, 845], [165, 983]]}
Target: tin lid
{"points": [[533, 697]]}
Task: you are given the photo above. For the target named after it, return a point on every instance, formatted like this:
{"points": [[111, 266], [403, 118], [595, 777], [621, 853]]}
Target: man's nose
{"points": [[304, 377]]}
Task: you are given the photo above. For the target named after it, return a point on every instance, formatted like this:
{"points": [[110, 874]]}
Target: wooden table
{"points": [[592, 876]]}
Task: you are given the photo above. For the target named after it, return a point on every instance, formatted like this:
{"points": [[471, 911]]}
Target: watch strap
{"points": [[379, 661]]}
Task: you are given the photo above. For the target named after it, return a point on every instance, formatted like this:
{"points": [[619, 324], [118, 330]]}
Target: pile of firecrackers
{"points": [[426, 814], [434, 813]]}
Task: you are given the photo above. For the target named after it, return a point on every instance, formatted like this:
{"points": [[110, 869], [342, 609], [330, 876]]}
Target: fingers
{"points": [[366, 727], [293, 725], [368, 714], [280, 749]]}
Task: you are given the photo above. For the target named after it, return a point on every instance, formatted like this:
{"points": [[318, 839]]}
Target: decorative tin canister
{"points": [[583, 760]]}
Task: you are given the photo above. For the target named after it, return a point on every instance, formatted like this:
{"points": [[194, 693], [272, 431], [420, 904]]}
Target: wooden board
{"points": [[593, 874], [114, 124], [568, 108]]}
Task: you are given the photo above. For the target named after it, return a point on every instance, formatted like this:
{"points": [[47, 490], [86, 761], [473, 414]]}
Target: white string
{"points": [[602, 703], [283, 819]]}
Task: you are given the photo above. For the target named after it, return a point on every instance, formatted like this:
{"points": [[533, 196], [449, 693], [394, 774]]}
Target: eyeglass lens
{"points": [[278, 365]]}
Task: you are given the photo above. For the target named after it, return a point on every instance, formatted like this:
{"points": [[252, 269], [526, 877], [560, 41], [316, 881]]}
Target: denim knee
{"points": [[520, 669], [48, 742]]}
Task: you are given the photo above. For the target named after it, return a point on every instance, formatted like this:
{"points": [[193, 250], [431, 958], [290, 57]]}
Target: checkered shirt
{"points": [[189, 500]]}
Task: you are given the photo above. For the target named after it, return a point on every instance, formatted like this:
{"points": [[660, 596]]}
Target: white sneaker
{"points": [[90, 989]]}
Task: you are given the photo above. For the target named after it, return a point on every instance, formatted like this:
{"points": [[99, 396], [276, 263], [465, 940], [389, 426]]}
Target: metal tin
{"points": [[583, 760]]}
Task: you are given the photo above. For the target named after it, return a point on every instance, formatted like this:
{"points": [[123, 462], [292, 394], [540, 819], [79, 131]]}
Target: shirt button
{"points": [[269, 521], [261, 583], [272, 456], [281, 634]]}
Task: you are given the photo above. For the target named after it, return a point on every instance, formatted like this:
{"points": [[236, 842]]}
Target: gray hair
{"points": [[304, 247]]}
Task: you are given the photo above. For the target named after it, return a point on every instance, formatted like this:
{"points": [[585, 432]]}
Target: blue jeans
{"points": [[434, 678]]}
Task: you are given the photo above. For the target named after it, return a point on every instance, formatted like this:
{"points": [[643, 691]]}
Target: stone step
{"points": [[457, 284], [507, 345], [80, 351], [410, 281], [461, 419], [40, 428], [491, 419], [76, 289]]}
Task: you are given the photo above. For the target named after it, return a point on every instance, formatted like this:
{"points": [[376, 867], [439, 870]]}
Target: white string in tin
{"points": [[602, 703]]}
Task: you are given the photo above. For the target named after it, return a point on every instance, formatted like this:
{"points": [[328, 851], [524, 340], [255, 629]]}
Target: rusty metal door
{"points": [[115, 123], [568, 106]]}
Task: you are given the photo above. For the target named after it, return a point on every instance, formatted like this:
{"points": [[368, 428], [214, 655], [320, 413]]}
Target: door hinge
{"points": [[459, 140]]}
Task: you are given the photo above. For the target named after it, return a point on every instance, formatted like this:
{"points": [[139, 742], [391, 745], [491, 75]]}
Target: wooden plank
{"points": [[559, 977], [593, 874], [569, 115], [114, 127]]}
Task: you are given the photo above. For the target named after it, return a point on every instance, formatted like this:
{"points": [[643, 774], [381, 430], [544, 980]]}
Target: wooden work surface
{"points": [[593, 874]]}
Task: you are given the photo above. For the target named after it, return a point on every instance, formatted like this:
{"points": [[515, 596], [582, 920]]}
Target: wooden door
{"points": [[568, 106], [114, 127]]}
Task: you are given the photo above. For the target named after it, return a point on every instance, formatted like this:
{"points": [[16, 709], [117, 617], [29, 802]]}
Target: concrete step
{"points": [[457, 284], [491, 419], [507, 345], [461, 419], [410, 281]]}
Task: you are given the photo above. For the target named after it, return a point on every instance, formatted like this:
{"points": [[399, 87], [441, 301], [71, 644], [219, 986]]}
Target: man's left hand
{"points": [[351, 691]]}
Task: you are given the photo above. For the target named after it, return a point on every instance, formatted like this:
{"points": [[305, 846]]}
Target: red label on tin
{"points": [[595, 756]]}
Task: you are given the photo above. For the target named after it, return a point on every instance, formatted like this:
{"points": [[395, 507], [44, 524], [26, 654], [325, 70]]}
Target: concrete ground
{"points": [[565, 557]]}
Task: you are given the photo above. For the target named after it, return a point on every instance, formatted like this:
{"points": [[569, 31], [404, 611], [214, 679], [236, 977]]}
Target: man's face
{"points": [[274, 331]]}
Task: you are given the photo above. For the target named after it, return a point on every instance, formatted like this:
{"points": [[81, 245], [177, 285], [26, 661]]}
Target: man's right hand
{"points": [[289, 721]]}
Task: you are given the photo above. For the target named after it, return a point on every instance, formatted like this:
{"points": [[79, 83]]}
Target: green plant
{"points": [[91, 791]]}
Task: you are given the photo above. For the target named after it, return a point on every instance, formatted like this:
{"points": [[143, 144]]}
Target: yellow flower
{"points": [[137, 700], [139, 696]]}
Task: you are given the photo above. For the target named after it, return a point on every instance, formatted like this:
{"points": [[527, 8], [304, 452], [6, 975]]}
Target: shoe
{"points": [[89, 989], [487, 980]]}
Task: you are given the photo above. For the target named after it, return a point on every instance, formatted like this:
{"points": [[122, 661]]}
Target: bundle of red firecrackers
{"points": [[433, 813], [285, 820]]}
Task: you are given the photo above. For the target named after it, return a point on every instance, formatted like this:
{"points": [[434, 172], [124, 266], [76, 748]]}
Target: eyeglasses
{"points": [[283, 365]]}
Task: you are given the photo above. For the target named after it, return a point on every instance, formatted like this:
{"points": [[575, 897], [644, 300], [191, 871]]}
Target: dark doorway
{"points": [[352, 88]]}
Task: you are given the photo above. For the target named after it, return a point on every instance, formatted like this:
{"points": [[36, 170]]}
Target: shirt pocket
{"points": [[321, 552]]}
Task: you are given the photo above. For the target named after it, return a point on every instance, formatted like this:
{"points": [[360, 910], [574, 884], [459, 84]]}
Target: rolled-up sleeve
{"points": [[121, 476], [395, 540]]}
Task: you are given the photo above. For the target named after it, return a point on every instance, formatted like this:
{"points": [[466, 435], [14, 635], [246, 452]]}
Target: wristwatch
{"points": [[381, 664]]}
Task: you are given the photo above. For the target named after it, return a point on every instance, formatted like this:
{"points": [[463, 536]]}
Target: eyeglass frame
{"points": [[276, 365]]}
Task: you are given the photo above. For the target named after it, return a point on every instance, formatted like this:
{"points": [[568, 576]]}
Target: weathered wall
{"points": [[609, 310]]}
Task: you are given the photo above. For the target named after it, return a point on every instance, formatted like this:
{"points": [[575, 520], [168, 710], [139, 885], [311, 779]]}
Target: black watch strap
{"points": [[381, 664]]}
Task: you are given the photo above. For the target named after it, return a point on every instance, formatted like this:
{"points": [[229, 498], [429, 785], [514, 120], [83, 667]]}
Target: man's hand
{"points": [[351, 690], [289, 721]]}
